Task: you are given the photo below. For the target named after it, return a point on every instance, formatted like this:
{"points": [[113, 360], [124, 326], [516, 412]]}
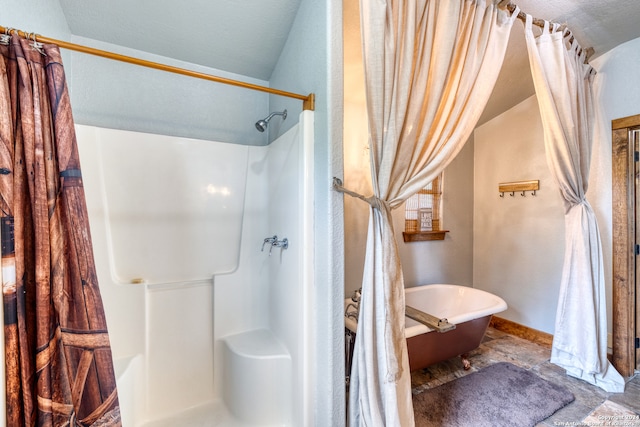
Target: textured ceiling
{"points": [[247, 36]]}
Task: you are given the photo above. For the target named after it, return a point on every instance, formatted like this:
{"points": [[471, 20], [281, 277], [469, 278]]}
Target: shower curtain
{"points": [[430, 67], [59, 370], [562, 81]]}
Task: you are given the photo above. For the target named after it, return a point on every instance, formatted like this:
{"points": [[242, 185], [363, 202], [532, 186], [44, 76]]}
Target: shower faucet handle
{"points": [[284, 243], [271, 241]]}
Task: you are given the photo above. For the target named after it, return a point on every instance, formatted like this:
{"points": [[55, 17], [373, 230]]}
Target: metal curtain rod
{"points": [[308, 100]]}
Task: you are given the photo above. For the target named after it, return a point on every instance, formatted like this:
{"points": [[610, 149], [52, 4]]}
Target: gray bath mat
{"points": [[499, 395]]}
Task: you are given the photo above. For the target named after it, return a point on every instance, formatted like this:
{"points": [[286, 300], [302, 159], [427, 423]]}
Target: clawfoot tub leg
{"points": [[465, 361]]}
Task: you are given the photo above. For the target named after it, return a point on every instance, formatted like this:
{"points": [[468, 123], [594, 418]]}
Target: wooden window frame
{"points": [[412, 231]]}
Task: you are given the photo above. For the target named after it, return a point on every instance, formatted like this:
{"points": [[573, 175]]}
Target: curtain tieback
{"points": [[374, 201], [570, 204]]}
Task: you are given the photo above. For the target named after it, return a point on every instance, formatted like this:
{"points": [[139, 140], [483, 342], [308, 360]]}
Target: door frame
{"points": [[624, 160]]}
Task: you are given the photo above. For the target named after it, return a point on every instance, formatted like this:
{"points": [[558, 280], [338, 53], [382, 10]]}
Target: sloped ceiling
{"points": [[247, 36], [239, 36], [598, 24]]}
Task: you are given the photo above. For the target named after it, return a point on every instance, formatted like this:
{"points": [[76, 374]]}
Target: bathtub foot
{"points": [[466, 364]]}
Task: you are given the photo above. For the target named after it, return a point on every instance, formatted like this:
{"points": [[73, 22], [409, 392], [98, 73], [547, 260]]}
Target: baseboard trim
{"points": [[521, 331], [531, 334]]}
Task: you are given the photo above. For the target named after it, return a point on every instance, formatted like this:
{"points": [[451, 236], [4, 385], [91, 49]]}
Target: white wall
{"points": [[616, 95], [518, 241], [311, 61], [616, 85]]}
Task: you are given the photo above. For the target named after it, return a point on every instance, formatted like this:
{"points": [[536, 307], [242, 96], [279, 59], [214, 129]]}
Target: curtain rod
{"points": [[523, 16], [308, 100], [540, 23]]}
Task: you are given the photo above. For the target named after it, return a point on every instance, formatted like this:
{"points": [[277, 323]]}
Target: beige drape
{"points": [[430, 67], [562, 81]]}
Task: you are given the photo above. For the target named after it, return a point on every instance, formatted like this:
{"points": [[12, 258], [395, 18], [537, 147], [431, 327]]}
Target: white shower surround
{"points": [[167, 336]]}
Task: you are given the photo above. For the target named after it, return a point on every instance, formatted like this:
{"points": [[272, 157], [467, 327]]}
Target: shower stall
{"points": [[209, 311]]}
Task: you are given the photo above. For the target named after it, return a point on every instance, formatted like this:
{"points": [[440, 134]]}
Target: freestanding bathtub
{"points": [[468, 308]]}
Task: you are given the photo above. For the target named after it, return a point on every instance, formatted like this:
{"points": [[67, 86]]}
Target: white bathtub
{"points": [[468, 308]]}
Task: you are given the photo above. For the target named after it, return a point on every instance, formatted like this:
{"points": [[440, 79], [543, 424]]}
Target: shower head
{"points": [[261, 125]]}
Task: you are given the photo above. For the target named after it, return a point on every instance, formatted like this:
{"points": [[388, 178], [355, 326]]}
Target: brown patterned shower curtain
{"points": [[59, 370]]}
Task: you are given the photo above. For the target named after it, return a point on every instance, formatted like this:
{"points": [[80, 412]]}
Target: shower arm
{"points": [[277, 113]]}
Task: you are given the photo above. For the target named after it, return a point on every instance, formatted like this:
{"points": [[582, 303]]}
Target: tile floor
{"points": [[592, 406]]}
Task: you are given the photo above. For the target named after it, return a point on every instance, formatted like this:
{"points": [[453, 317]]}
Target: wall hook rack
{"points": [[519, 186]]}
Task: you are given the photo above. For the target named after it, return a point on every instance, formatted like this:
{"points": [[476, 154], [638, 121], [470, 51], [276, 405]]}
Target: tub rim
{"points": [[414, 328]]}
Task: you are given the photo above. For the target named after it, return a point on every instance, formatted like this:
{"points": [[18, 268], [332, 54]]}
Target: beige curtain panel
{"points": [[563, 81], [430, 67]]}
